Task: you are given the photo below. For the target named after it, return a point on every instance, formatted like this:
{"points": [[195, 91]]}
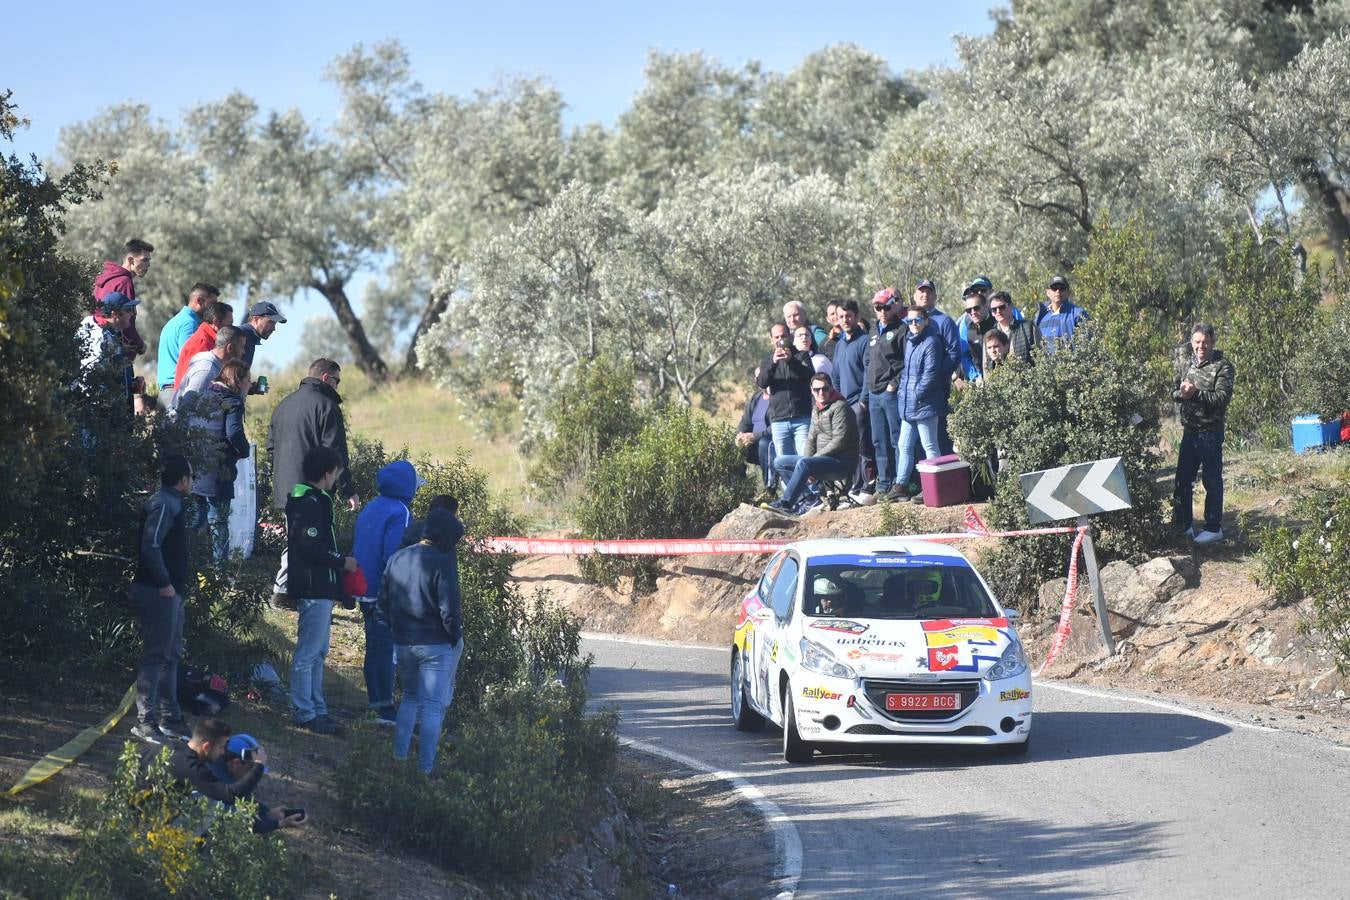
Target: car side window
{"points": [[785, 589], [767, 578]]}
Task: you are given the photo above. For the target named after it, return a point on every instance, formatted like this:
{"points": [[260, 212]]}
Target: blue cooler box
{"points": [[1311, 433], [945, 480]]}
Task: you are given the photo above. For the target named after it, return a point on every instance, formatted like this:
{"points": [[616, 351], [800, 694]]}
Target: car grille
{"points": [[967, 731], [877, 689]]}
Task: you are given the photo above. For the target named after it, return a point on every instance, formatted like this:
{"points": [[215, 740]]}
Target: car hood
{"points": [[881, 648]]}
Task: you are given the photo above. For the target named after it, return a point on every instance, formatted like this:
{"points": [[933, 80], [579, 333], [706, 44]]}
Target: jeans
{"points": [[380, 659], [884, 410], [162, 629], [765, 456], [866, 471], [428, 675], [923, 431], [796, 469], [1201, 451], [215, 512], [789, 435], [311, 647]]}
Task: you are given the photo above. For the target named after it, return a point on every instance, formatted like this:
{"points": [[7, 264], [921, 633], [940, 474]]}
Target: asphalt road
{"points": [[1117, 797]]}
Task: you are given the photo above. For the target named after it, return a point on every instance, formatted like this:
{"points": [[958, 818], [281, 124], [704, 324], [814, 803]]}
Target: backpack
{"points": [[202, 693]]}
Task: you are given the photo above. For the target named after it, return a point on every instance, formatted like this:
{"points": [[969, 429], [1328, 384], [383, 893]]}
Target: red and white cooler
{"points": [[945, 480]]}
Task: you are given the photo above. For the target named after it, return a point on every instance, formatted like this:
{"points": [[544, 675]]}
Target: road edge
{"points": [[787, 842]]}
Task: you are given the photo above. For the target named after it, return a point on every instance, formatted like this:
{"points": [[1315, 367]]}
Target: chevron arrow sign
{"points": [[1078, 490]]}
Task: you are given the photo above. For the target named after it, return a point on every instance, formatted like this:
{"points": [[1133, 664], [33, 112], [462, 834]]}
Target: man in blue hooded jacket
{"points": [[379, 533]]}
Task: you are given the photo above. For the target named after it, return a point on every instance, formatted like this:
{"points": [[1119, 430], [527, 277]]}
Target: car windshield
{"points": [[894, 586]]}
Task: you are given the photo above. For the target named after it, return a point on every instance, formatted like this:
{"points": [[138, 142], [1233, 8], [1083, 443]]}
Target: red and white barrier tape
{"points": [[1066, 610]]}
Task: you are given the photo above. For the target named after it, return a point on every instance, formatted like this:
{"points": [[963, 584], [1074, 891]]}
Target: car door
{"points": [[781, 601]]}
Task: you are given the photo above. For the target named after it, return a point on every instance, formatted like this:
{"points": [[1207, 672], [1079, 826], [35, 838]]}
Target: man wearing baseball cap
{"points": [[235, 765], [258, 325], [1059, 317], [105, 358]]}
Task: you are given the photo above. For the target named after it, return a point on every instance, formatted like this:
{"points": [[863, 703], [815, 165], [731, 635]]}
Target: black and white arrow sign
{"points": [[1078, 490]]}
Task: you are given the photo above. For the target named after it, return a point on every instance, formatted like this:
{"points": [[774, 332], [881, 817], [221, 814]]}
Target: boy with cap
{"points": [[106, 360], [235, 765]]}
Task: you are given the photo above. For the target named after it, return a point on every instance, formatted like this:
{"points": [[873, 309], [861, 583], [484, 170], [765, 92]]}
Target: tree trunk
{"points": [[367, 357], [1333, 202], [435, 308]]}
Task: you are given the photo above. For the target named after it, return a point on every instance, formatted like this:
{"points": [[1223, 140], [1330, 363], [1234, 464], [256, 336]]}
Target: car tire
{"points": [[1020, 749], [795, 750], [742, 713]]}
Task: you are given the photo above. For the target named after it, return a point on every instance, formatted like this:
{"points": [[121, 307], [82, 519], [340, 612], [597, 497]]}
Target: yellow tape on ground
{"points": [[68, 752]]}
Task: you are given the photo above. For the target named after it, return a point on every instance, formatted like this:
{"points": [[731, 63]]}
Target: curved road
{"points": [[1117, 796]]}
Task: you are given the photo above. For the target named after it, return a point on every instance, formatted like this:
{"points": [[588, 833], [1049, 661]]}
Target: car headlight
{"points": [[816, 658], [1013, 662]]}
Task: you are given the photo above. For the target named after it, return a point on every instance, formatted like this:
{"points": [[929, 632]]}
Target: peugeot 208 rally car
{"points": [[878, 640]]}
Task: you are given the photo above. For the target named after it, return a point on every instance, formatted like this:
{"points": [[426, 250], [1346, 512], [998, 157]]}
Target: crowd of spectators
{"points": [[895, 375]]}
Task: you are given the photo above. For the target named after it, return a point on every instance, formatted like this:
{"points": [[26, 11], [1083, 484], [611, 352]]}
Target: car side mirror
{"points": [[1012, 615]]}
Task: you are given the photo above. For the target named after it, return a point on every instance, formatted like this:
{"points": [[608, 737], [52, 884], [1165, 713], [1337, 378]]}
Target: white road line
{"points": [[1144, 701], [787, 870]]}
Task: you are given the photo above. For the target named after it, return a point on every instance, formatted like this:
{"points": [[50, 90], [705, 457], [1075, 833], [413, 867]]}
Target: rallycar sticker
{"points": [[875, 655], [1014, 694], [750, 605], [956, 644], [868, 642], [841, 625], [820, 693]]}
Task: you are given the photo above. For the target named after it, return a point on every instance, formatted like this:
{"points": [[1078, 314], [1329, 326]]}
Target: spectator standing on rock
{"points": [[157, 592], [1202, 392], [831, 449], [850, 363], [313, 567], [218, 415], [121, 279], [262, 320], [179, 329], [882, 360], [923, 396], [379, 534], [925, 297], [309, 417], [203, 340], [420, 601], [787, 376], [754, 437], [1058, 318]]}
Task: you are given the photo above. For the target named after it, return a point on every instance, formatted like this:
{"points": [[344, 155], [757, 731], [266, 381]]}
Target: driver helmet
{"points": [[924, 588], [829, 594]]}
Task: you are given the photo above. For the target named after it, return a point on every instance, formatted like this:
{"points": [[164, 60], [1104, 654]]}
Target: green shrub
{"points": [[512, 786], [1309, 562], [150, 838], [1263, 310], [1320, 369], [1080, 404], [896, 518], [679, 477]]}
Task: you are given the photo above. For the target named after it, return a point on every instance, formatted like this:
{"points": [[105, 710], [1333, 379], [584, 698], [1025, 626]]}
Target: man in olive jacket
{"points": [[831, 446], [1203, 393]]}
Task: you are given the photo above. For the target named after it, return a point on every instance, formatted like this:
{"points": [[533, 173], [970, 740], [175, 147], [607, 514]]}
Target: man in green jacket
{"points": [[1202, 393], [831, 446]]}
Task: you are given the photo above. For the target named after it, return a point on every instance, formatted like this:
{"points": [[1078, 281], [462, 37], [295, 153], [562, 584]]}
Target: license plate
{"points": [[899, 702]]}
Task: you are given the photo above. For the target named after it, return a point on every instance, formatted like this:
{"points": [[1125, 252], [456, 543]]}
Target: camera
{"points": [[782, 343]]}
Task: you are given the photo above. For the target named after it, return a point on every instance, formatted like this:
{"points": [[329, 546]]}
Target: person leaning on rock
{"points": [[1202, 392]]}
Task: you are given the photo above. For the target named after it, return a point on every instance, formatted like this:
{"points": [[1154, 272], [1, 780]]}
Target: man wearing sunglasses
{"points": [[831, 449], [975, 322], [881, 365], [923, 391], [1021, 333], [1058, 318]]}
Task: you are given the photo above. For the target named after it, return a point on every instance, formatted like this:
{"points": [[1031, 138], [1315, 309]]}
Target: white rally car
{"points": [[878, 640]]}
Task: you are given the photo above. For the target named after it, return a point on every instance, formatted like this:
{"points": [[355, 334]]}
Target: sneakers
{"points": [[1179, 533], [814, 510], [320, 725], [176, 730], [1208, 537], [777, 507], [147, 732], [863, 498], [386, 716]]}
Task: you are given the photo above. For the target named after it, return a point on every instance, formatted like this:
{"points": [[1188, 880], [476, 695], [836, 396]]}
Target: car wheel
{"points": [[795, 750], [1015, 749], [742, 713]]}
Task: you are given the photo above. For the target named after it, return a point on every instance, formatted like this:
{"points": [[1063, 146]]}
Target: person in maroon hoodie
{"points": [[122, 279]]}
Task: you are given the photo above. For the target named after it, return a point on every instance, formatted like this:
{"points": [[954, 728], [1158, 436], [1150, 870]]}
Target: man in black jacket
{"points": [[786, 373], [419, 600], [309, 417], [881, 367], [314, 564], [157, 592]]}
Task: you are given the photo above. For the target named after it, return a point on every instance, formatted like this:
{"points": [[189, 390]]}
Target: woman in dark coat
{"points": [[921, 395], [218, 423]]}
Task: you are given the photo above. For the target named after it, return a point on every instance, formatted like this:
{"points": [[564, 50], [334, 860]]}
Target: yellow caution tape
{"points": [[68, 752]]}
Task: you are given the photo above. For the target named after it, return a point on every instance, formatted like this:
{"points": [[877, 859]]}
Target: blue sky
{"points": [[65, 68]]}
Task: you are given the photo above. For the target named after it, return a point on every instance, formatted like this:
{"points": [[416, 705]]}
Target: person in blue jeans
{"points": [[831, 449], [379, 534], [786, 374], [881, 365], [923, 396], [314, 564], [1202, 392], [420, 601]]}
